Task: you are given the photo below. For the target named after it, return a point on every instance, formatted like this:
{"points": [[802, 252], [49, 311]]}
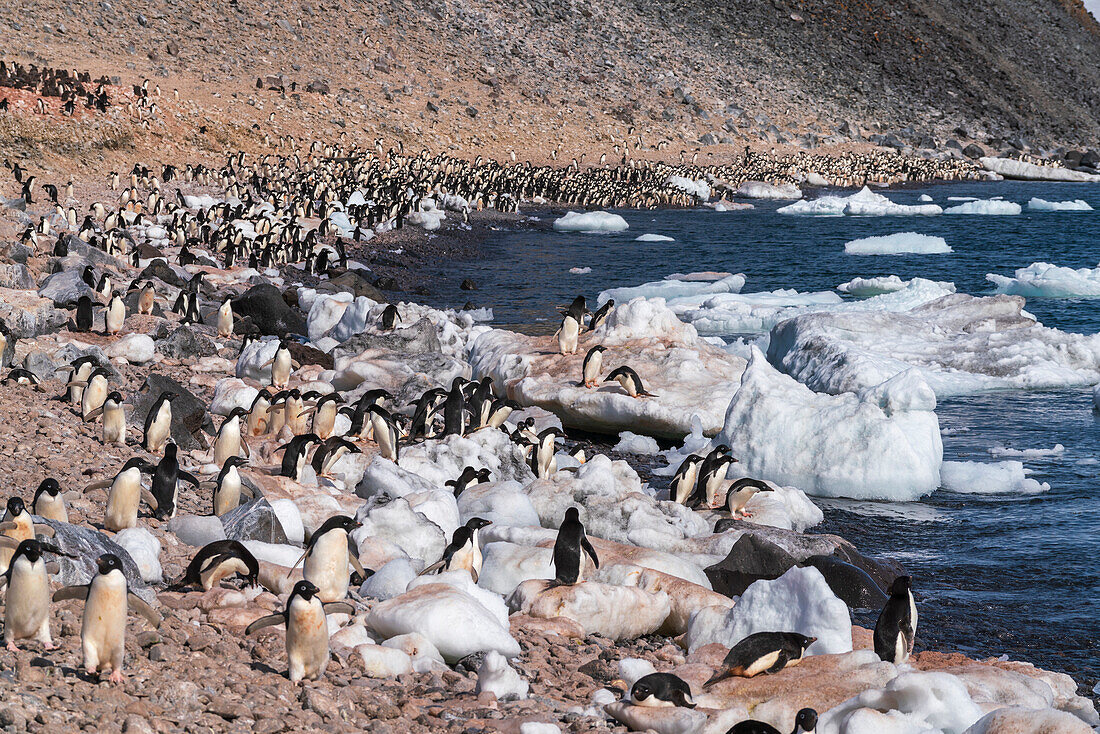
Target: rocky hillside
{"points": [[532, 76]]}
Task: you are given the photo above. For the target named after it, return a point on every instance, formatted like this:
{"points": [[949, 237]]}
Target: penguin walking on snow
{"points": [[468, 475], [307, 648], [630, 382], [741, 492], [896, 628], [568, 547], [683, 482], [107, 599], [592, 366]]}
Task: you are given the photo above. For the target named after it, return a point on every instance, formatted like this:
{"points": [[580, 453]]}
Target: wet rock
{"points": [[355, 284], [187, 342], [65, 288], [87, 544], [255, 520], [420, 338], [304, 354], [189, 416], [468, 285], [16, 276], [752, 558], [265, 306]]}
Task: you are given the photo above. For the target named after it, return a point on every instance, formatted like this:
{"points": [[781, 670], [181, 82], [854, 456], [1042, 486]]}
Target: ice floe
{"points": [[867, 287], [975, 477], [1045, 280], [994, 207], [900, 243], [649, 237], [590, 222], [1042, 205], [864, 203]]}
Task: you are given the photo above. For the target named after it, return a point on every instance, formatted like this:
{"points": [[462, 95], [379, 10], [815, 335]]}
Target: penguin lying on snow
{"points": [[630, 381], [464, 550], [805, 722], [307, 648], [661, 690], [103, 628], [762, 652]]}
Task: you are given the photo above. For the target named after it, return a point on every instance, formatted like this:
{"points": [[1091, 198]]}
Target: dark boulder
{"points": [[264, 305]]}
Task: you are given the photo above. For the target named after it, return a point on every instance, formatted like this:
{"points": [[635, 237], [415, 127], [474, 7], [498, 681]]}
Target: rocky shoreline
{"points": [[530, 657]]}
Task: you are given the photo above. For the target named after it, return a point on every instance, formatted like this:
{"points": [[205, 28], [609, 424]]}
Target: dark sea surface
{"points": [[1015, 575]]}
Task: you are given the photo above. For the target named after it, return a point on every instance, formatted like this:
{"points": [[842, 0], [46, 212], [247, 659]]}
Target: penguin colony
{"points": [[71, 87], [274, 195]]}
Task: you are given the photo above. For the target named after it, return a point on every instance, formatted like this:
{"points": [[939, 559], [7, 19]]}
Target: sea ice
{"points": [[590, 222], [1058, 450], [648, 237], [1044, 280], [867, 287], [993, 207], [883, 444], [1042, 205], [762, 190], [901, 243], [975, 477], [580, 271], [865, 203], [675, 290]]}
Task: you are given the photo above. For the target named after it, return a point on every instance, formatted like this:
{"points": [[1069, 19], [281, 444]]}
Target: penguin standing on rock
{"points": [[683, 482], [124, 498], [158, 423], [84, 314], [107, 599], [568, 547], [307, 647], [164, 495], [896, 628], [114, 419], [568, 333], [27, 604], [386, 433], [229, 441], [93, 393], [49, 503], [661, 690], [228, 487], [390, 317], [630, 381], [712, 472]]}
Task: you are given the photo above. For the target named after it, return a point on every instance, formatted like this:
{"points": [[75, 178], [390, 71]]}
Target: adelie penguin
{"points": [[630, 382], [124, 497], [17, 526], [712, 472], [386, 433], [469, 475], [325, 410], [49, 503], [543, 462], [27, 604], [83, 317], [569, 546], [464, 550], [592, 366], [107, 599], [454, 409], [228, 487], [805, 722], [896, 628], [741, 491], [93, 392], [80, 370], [216, 561], [390, 317], [164, 493], [684, 480], [762, 652], [568, 334], [115, 316], [331, 450], [225, 319], [5, 339], [307, 647], [601, 315], [114, 419], [296, 455], [20, 376], [282, 365], [230, 441], [661, 690], [158, 423]]}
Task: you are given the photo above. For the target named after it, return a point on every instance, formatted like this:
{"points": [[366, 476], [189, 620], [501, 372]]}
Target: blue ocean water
{"points": [[997, 574]]}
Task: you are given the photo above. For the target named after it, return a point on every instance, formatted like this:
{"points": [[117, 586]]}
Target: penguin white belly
{"points": [[23, 530], [116, 316], [383, 437], [225, 320], [227, 497], [256, 423], [94, 395], [229, 442], [913, 613], [122, 502], [215, 572], [628, 385], [114, 426], [103, 629], [280, 369], [761, 664], [27, 606], [327, 566], [592, 371], [52, 508], [652, 701], [307, 648], [324, 420], [567, 336], [159, 430], [901, 649], [294, 416]]}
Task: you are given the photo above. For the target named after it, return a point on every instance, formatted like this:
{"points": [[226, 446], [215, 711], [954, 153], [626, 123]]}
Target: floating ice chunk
{"points": [[675, 290], [1044, 280], [1042, 205], [632, 443], [134, 348], [884, 444], [898, 244], [699, 189], [911, 702], [1012, 168], [1058, 450], [864, 203], [744, 313], [798, 601], [455, 622], [868, 287], [986, 206], [499, 678], [762, 190], [590, 222], [961, 345], [975, 477], [144, 548], [924, 198], [648, 237], [580, 271]]}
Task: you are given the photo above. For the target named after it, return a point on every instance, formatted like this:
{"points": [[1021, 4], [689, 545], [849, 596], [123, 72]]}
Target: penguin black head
{"points": [[483, 475], [135, 463], [108, 562], [16, 506], [477, 523], [304, 589], [805, 720], [33, 549], [237, 412], [901, 585], [114, 397], [170, 450], [235, 461], [48, 486], [572, 515]]}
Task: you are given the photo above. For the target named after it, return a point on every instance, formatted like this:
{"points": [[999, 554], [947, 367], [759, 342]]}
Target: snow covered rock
{"points": [[144, 548], [674, 720], [883, 444], [384, 662], [231, 393], [632, 443], [617, 612], [134, 348], [917, 702], [1012, 168], [499, 678], [455, 622], [252, 362], [390, 580]]}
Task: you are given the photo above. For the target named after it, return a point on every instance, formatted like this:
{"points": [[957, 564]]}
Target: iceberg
{"points": [[590, 222], [1044, 280], [864, 203], [649, 237], [898, 244]]}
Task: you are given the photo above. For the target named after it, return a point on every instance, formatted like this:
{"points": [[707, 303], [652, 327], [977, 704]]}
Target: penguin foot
{"points": [[116, 676], [49, 646], [12, 647]]}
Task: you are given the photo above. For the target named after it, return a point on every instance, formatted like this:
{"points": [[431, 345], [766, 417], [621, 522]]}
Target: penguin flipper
{"points": [[245, 489], [268, 363], [300, 559], [189, 477], [590, 550], [150, 499], [44, 530], [9, 543], [473, 573], [138, 605], [93, 414], [269, 621], [434, 567], [9, 525], [339, 607], [247, 451], [72, 592], [356, 564]]}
